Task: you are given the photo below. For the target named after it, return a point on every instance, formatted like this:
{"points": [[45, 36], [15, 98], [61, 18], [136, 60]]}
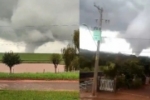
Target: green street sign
{"points": [[96, 34]]}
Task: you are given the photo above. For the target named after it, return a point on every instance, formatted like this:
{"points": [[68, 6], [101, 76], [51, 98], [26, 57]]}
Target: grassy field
{"points": [[38, 95], [40, 76], [34, 57]]}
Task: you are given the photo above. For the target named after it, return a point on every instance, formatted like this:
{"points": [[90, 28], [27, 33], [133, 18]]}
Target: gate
{"points": [[107, 85]]}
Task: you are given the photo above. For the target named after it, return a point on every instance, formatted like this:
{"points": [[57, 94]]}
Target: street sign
{"points": [[96, 34]]}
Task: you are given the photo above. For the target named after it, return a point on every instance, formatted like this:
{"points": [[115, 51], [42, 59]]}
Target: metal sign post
{"points": [[96, 34]]}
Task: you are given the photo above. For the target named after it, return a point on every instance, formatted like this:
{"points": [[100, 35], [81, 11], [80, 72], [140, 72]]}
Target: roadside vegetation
{"points": [[38, 95], [40, 76], [129, 70]]}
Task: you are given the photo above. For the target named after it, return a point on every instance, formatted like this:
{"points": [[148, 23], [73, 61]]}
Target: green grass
{"points": [[34, 57], [40, 76], [38, 95]]}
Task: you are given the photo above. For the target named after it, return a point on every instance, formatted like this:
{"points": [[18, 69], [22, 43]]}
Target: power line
{"points": [[128, 38], [41, 26], [131, 39], [125, 51], [131, 51], [134, 38]]}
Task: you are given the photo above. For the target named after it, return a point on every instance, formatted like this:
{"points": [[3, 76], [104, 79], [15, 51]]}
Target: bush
{"points": [[136, 83], [86, 69], [143, 79], [120, 82]]}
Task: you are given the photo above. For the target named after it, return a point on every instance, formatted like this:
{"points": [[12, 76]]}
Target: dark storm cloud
{"points": [[129, 17], [7, 7], [119, 12], [32, 21]]}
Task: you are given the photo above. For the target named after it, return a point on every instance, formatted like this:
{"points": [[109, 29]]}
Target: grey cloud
{"points": [[119, 12], [139, 31], [6, 8], [129, 17], [33, 22]]}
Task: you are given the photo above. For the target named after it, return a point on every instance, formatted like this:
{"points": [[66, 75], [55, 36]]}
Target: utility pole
{"points": [[94, 87]]}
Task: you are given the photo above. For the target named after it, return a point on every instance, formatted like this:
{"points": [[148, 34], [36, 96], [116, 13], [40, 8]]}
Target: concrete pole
{"points": [[94, 87]]}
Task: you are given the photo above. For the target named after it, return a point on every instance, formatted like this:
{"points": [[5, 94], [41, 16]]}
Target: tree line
{"points": [[129, 70]]}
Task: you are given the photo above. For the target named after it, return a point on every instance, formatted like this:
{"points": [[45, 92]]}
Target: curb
{"points": [[74, 81]]}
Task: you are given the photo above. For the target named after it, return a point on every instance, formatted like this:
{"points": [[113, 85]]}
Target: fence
{"points": [[104, 84], [107, 85]]}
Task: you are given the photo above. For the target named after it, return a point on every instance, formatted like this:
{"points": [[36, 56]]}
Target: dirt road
{"points": [[32, 68], [39, 85], [140, 94], [113, 96]]}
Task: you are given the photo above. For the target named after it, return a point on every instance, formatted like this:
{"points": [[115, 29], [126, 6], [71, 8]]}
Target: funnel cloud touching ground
{"points": [[131, 18], [36, 22]]}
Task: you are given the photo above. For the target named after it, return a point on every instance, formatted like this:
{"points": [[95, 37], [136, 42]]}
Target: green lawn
{"points": [[38, 95], [40, 76], [34, 57]]}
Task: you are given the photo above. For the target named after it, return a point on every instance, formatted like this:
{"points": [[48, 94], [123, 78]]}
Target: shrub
{"points": [[143, 79], [120, 83], [86, 69], [136, 83]]}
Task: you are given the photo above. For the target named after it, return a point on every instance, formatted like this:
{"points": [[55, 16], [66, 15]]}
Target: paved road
{"points": [[39, 85]]}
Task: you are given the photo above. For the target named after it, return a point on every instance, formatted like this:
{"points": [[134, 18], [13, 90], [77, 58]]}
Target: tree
{"points": [[75, 63], [86, 62], [76, 39], [110, 70], [132, 70], [56, 60], [11, 59], [69, 54], [145, 61]]}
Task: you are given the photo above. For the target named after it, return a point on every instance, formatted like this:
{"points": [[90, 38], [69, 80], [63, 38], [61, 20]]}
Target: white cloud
{"points": [[111, 44], [50, 47], [6, 46]]}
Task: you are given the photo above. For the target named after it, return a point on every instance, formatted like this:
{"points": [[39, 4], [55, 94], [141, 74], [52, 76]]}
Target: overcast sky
{"points": [[37, 25], [128, 28]]}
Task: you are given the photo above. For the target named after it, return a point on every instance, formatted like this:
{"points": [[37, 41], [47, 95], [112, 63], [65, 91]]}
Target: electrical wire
{"points": [[40, 26]]}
